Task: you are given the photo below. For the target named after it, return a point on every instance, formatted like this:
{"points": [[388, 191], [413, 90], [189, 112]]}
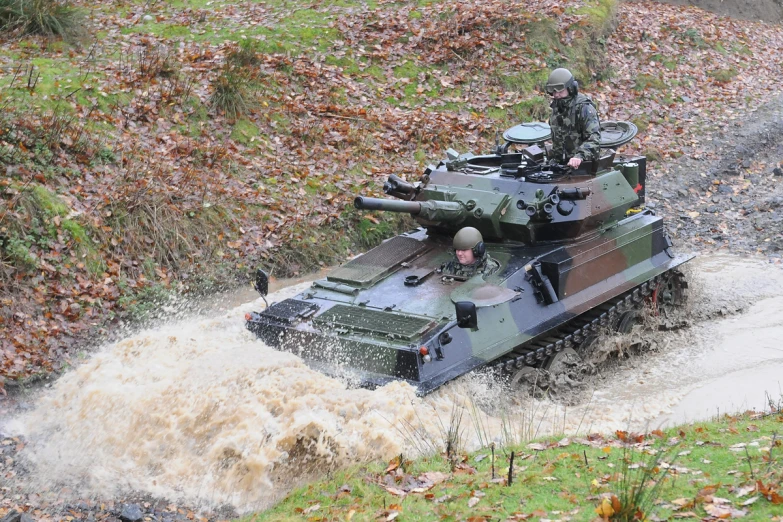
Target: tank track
{"points": [[570, 335]]}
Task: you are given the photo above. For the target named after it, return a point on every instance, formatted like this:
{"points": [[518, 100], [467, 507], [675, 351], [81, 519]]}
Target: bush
{"points": [[45, 17]]}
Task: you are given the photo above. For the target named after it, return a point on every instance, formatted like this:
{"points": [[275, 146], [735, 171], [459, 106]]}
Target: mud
{"points": [[764, 10], [726, 193]]}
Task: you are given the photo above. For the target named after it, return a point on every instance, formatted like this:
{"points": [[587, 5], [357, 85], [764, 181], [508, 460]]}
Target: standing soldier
{"points": [[576, 133]]}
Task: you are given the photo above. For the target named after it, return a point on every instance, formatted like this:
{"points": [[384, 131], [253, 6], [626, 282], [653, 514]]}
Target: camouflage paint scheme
{"points": [[364, 322], [576, 131]]}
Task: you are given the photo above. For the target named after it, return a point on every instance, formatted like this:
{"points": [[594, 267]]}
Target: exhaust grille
{"points": [[370, 267], [289, 310], [399, 326]]}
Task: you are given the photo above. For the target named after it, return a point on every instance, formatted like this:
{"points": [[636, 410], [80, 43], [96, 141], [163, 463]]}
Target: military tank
{"points": [[577, 251]]}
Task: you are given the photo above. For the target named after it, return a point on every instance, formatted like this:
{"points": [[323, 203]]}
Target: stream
{"points": [[199, 411]]}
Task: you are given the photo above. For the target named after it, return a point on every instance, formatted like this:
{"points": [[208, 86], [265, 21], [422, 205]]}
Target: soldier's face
{"points": [[465, 257], [559, 95]]}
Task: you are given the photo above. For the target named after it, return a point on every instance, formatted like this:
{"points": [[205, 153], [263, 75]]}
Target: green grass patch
{"points": [[48, 202], [666, 61], [648, 81], [723, 75], [661, 475], [244, 131]]}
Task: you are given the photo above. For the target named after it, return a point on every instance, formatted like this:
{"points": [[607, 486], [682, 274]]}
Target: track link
{"points": [[572, 334]]}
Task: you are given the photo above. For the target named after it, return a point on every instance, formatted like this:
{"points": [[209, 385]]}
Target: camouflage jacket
{"points": [[487, 266], [575, 129]]}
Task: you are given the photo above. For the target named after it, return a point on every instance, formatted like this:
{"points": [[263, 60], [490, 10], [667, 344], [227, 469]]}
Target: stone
{"points": [[131, 513], [713, 209], [777, 171], [715, 199], [735, 199], [148, 18], [12, 516], [683, 193], [746, 164], [725, 189]]}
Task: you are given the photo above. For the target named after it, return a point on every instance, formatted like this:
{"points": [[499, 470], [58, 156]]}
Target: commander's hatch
{"points": [[613, 133], [616, 133]]}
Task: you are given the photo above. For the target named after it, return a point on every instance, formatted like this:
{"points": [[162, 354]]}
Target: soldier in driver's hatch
{"points": [[471, 256], [576, 133]]}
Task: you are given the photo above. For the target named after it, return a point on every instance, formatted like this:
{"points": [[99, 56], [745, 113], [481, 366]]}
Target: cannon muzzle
{"points": [[440, 211], [390, 205]]}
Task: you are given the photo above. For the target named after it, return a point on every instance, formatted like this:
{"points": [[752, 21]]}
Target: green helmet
{"points": [[468, 238], [560, 79]]}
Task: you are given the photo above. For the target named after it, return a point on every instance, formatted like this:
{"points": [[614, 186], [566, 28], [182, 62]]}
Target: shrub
{"points": [[45, 17]]}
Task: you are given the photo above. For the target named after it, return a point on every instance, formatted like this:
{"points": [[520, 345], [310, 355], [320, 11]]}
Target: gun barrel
{"points": [[390, 205]]}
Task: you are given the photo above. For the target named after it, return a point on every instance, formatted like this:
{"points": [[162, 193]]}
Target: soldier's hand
{"points": [[574, 163]]}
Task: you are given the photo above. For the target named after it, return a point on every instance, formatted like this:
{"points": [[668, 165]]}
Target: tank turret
{"points": [[516, 197]]}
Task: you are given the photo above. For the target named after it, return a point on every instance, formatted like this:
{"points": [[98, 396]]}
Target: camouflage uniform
{"points": [[575, 129], [487, 266]]}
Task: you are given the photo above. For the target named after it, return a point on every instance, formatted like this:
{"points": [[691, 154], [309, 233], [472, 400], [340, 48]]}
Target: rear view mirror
{"points": [[466, 314], [262, 282]]}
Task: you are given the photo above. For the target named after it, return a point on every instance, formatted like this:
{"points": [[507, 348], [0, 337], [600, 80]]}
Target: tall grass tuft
{"points": [[640, 484], [232, 92], [44, 17]]}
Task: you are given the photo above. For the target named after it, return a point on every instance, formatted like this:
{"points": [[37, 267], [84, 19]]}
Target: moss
{"points": [[600, 15], [50, 203], [642, 122], [244, 131], [647, 81], [85, 247], [723, 75], [542, 36], [532, 109], [525, 81]]}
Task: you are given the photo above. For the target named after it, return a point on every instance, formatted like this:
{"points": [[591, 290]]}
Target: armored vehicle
{"points": [[574, 251]]}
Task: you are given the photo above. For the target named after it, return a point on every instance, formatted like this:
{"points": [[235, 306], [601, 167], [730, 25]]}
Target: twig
{"points": [[585, 453], [752, 475], [511, 470], [493, 460]]}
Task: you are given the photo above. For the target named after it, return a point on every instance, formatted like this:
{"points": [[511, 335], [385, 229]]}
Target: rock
{"points": [[746, 164], [713, 209], [777, 171], [667, 195], [148, 18], [683, 193], [131, 513], [12, 516], [724, 189], [26, 518], [735, 199], [715, 199]]}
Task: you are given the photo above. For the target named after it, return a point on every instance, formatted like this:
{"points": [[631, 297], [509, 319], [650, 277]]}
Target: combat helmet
{"points": [[469, 238], [560, 79]]}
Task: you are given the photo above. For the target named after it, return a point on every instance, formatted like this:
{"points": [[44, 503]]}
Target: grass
{"points": [[232, 93], [648, 81], [44, 17], [666, 474], [723, 75]]}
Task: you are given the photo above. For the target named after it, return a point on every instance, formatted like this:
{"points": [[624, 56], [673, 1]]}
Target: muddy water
{"points": [[200, 411]]}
